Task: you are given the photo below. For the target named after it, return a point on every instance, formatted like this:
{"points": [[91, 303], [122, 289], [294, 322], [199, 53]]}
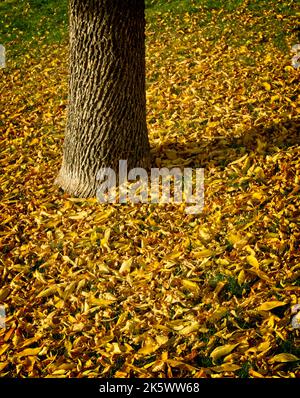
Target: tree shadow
{"points": [[218, 152]]}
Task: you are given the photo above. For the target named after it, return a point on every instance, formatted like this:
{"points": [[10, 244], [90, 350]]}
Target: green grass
{"points": [[30, 23], [181, 6], [269, 21], [27, 24], [191, 5]]}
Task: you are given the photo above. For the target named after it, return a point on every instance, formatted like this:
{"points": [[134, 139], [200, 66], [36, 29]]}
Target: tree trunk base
{"points": [[83, 188], [74, 186]]}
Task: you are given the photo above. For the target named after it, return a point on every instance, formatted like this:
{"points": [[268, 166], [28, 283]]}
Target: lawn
{"points": [[146, 290]]}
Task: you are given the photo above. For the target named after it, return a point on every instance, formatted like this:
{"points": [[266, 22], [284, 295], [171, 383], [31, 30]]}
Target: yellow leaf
{"points": [[222, 351], [79, 216], [268, 58], [189, 329], [265, 346], [100, 302], [234, 238], [260, 274], [122, 318], [248, 225], [104, 241], [255, 374], [149, 347], [243, 49], [47, 292], [284, 357], [173, 255], [274, 98], [103, 216], [269, 305], [68, 260], [289, 68], [191, 286], [212, 124], [9, 333], [252, 260], [114, 348], [28, 342], [261, 146], [241, 277], [267, 86], [3, 365], [34, 141], [203, 253], [204, 234], [29, 352], [94, 237], [66, 366], [239, 160], [237, 240], [257, 195], [161, 340], [180, 364], [59, 372], [218, 314], [3, 348], [259, 172], [126, 266], [68, 346], [226, 367]]}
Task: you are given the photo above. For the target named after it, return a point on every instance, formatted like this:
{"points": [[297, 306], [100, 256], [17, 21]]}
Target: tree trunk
{"points": [[107, 102]]}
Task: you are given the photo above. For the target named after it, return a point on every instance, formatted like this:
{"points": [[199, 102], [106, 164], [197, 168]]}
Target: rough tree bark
{"points": [[107, 104]]}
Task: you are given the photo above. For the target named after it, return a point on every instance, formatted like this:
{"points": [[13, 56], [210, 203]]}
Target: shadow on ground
{"points": [[219, 152]]}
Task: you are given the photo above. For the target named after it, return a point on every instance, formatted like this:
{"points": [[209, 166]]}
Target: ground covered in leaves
{"points": [[96, 290]]}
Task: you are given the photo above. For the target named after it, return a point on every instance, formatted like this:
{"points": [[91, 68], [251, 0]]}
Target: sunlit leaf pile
{"points": [[93, 290]]}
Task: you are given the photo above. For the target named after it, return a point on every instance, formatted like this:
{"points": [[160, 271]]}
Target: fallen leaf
{"points": [[189, 328], [4, 293], [284, 357], [47, 292], [3, 365], [149, 347], [29, 352], [269, 305], [222, 351], [252, 260], [3, 348], [226, 367], [191, 286], [267, 86], [126, 266], [101, 302]]}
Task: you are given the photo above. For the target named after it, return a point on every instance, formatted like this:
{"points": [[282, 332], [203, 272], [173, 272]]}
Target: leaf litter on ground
{"points": [[95, 290]]}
